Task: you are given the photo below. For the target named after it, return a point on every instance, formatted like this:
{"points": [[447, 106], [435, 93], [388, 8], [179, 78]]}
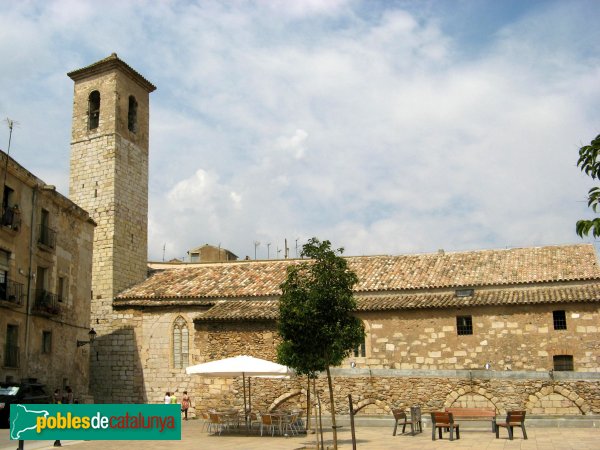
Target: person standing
{"points": [[167, 398], [56, 398], [185, 404], [66, 398], [173, 398]]}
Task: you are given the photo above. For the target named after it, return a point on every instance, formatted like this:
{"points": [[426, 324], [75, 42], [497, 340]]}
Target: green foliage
{"points": [[589, 163], [316, 321]]}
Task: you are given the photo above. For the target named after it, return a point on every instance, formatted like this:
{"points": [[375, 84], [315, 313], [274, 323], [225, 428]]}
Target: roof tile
{"points": [[247, 279]]}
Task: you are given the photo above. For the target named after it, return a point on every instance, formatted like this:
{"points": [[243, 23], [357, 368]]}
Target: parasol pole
{"points": [[244, 384], [249, 396]]}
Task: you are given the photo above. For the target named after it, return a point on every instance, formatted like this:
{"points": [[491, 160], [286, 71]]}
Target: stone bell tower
{"points": [[109, 179]]}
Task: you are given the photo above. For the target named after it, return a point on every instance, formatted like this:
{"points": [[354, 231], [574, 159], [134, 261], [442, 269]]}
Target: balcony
{"points": [[11, 292], [11, 355], [11, 217], [46, 303], [47, 237]]}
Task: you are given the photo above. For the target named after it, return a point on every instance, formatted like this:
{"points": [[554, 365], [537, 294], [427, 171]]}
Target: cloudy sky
{"points": [[387, 127]]}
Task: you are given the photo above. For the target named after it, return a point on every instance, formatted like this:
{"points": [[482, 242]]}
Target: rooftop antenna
{"points": [[256, 244], [11, 124]]}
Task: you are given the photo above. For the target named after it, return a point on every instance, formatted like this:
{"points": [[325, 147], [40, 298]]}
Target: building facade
{"points": [[210, 253], [514, 328], [45, 283]]}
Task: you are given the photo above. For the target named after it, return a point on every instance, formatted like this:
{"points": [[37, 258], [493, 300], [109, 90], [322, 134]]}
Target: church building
{"points": [[513, 328]]}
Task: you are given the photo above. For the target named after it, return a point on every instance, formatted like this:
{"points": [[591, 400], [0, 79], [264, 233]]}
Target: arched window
{"points": [[180, 343], [132, 114], [93, 110]]}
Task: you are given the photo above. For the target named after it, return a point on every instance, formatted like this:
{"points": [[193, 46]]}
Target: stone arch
{"points": [[473, 398], [285, 397], [383, 406], [557, 400]]}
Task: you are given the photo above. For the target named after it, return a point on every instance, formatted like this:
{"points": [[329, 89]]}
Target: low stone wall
{"points": [[378, 391]]}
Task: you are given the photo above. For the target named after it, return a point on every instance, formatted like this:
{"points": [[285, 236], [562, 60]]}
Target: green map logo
{"points": [[95, 422]]}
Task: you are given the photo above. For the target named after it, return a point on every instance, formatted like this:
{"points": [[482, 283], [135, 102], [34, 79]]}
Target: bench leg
{"points": [[457, 432], [510, 433], [524, 432], [395, 427], [451, 433], [440, 430], [404, 427], [433, 432]]}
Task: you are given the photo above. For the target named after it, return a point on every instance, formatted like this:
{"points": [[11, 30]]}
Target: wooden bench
{"points": [[474, 414]]}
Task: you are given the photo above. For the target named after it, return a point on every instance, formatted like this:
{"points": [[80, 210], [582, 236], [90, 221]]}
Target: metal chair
{"points": [[266, 421]]}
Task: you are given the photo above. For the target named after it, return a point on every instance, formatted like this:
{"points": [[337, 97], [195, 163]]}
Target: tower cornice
{"points": [[106, 65]]}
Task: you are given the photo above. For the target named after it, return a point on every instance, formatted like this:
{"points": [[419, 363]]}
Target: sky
{"points": [[386, 127]]}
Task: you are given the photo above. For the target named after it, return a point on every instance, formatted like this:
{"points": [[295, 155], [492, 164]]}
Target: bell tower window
{"points": [[93, 110], [132, 114]]}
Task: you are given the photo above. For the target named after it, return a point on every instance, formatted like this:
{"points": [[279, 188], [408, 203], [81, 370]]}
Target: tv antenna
{"points": [[256, 244], [11, 124]]}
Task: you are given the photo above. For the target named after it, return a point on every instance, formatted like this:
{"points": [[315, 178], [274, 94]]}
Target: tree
{"points": [[590, 164], [316, 321]]}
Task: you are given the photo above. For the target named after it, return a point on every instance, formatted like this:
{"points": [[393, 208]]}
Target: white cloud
{"points": [[372, 126]]}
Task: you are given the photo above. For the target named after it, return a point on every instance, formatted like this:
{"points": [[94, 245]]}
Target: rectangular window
{"points": [[464, 325], [4, 259], [560, 320], [60, 289], [563, 363], [47, 342], [11, 352], [464, 292], [360, 350]]}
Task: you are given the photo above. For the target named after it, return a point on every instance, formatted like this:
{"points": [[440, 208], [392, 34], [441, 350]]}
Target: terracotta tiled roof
{"points": [[246, 279], [242, 310], [229, 310], [526, 296]]}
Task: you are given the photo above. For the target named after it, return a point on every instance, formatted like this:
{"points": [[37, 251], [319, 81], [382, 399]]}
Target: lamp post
{"points": [[92, 335]]}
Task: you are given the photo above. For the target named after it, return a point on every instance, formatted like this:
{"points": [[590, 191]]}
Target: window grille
{"points": [[464, 325], [563, 363], [560, 320]]}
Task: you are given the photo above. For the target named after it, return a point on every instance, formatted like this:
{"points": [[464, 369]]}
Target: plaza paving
{"points": [[372, 438]]}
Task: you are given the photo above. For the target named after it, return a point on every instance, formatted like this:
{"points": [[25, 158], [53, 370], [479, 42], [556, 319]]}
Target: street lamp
{"points": [[92, 334]]}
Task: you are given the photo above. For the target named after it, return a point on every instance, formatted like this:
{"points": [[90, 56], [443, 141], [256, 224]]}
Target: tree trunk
{"points": [[308, 406], [333, 425]]}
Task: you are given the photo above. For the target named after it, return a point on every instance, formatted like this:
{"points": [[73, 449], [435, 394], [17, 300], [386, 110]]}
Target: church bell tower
{"points": [[109, 179]]}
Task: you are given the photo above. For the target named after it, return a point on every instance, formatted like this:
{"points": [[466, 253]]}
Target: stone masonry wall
{"points": [[509, 337], [380, 388], [109, 179]]}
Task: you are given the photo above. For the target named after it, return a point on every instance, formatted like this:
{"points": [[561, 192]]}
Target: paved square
{"points": [[371, 438]]}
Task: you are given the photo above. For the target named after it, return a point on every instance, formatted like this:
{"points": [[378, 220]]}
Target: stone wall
{"points": [[510, 337], [539, 392], [109, 178]]}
